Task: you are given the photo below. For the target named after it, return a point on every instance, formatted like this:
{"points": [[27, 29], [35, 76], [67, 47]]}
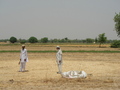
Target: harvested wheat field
{"points": [[103, 71]]}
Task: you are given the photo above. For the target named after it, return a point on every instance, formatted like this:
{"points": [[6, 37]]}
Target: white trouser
{"points": [[60, 68], [22, 66]]}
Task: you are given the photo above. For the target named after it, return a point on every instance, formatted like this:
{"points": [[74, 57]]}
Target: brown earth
{"points": [[38, 47], [103, 71]]}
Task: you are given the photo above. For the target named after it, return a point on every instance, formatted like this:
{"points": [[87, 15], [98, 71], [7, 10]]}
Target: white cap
{"points": [[58, 47], [23, 45]]}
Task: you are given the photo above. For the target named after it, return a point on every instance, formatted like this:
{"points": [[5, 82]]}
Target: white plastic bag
{"points": [[74, 74]]}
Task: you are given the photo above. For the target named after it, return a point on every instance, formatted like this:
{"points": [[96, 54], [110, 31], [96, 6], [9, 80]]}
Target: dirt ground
{"points": [[103, 71]]}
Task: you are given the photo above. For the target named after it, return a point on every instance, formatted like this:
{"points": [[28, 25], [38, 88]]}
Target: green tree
{"points": [[13, 39], [44, 40], [102, 39], [96, 40], [115, 44], [22, 41], [4, 40], [33, 40], [66, 38], [89, 40], [55, 40], [117, 23]]}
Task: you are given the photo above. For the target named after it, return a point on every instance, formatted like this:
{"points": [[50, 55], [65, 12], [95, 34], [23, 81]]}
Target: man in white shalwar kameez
{"points": [[23, 58], [59, 59]]}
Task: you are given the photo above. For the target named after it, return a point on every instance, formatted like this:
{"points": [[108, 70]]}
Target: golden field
{"points": [[103, 69]]}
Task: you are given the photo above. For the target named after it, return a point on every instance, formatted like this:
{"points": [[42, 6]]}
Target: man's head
{"points": [[23, 46], [58, 47]]}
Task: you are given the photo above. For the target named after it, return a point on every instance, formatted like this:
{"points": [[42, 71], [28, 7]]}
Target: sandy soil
{"points": [[103, 71], [64, 47]]}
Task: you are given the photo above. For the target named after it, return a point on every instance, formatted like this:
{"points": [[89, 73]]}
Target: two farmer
{"points": [[24, 59]]}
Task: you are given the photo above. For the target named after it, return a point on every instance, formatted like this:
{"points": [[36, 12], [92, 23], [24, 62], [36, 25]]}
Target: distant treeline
{"points": [[64, 40], [101, 39]]}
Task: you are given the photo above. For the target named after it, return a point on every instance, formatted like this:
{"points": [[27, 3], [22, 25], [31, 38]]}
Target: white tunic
{"points": [[23, 55], [59, 56]]}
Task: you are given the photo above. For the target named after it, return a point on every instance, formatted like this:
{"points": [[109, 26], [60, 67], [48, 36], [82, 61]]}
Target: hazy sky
{"points": [[74, 19]]}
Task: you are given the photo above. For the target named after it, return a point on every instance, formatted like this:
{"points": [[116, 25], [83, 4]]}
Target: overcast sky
{"points": [[74, 19]]}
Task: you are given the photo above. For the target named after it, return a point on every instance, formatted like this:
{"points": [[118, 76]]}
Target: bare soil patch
{"points": [[103, 71], [38, 47]]}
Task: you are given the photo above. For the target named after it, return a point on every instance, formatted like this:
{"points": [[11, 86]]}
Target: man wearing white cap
{"points": [[59, 59], [23, 58]]}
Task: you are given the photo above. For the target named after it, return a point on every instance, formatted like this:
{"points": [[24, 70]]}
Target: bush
{"points": [[115, 44], [13, 40], [44, 40], [33, 40], [23, 41]]}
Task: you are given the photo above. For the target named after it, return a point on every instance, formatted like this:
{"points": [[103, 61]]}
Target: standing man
{"points": [[23, 58], [59, 59]]}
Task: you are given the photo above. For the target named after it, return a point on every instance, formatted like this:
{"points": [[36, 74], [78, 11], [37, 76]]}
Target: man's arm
{"points": [[26, 55], [19, 62]]}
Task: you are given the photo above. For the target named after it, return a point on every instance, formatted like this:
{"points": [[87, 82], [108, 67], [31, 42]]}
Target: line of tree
{"points": [[100, 39]]}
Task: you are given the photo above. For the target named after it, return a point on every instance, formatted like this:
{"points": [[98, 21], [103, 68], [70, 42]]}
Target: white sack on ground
{"points": [[74, 74]]}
